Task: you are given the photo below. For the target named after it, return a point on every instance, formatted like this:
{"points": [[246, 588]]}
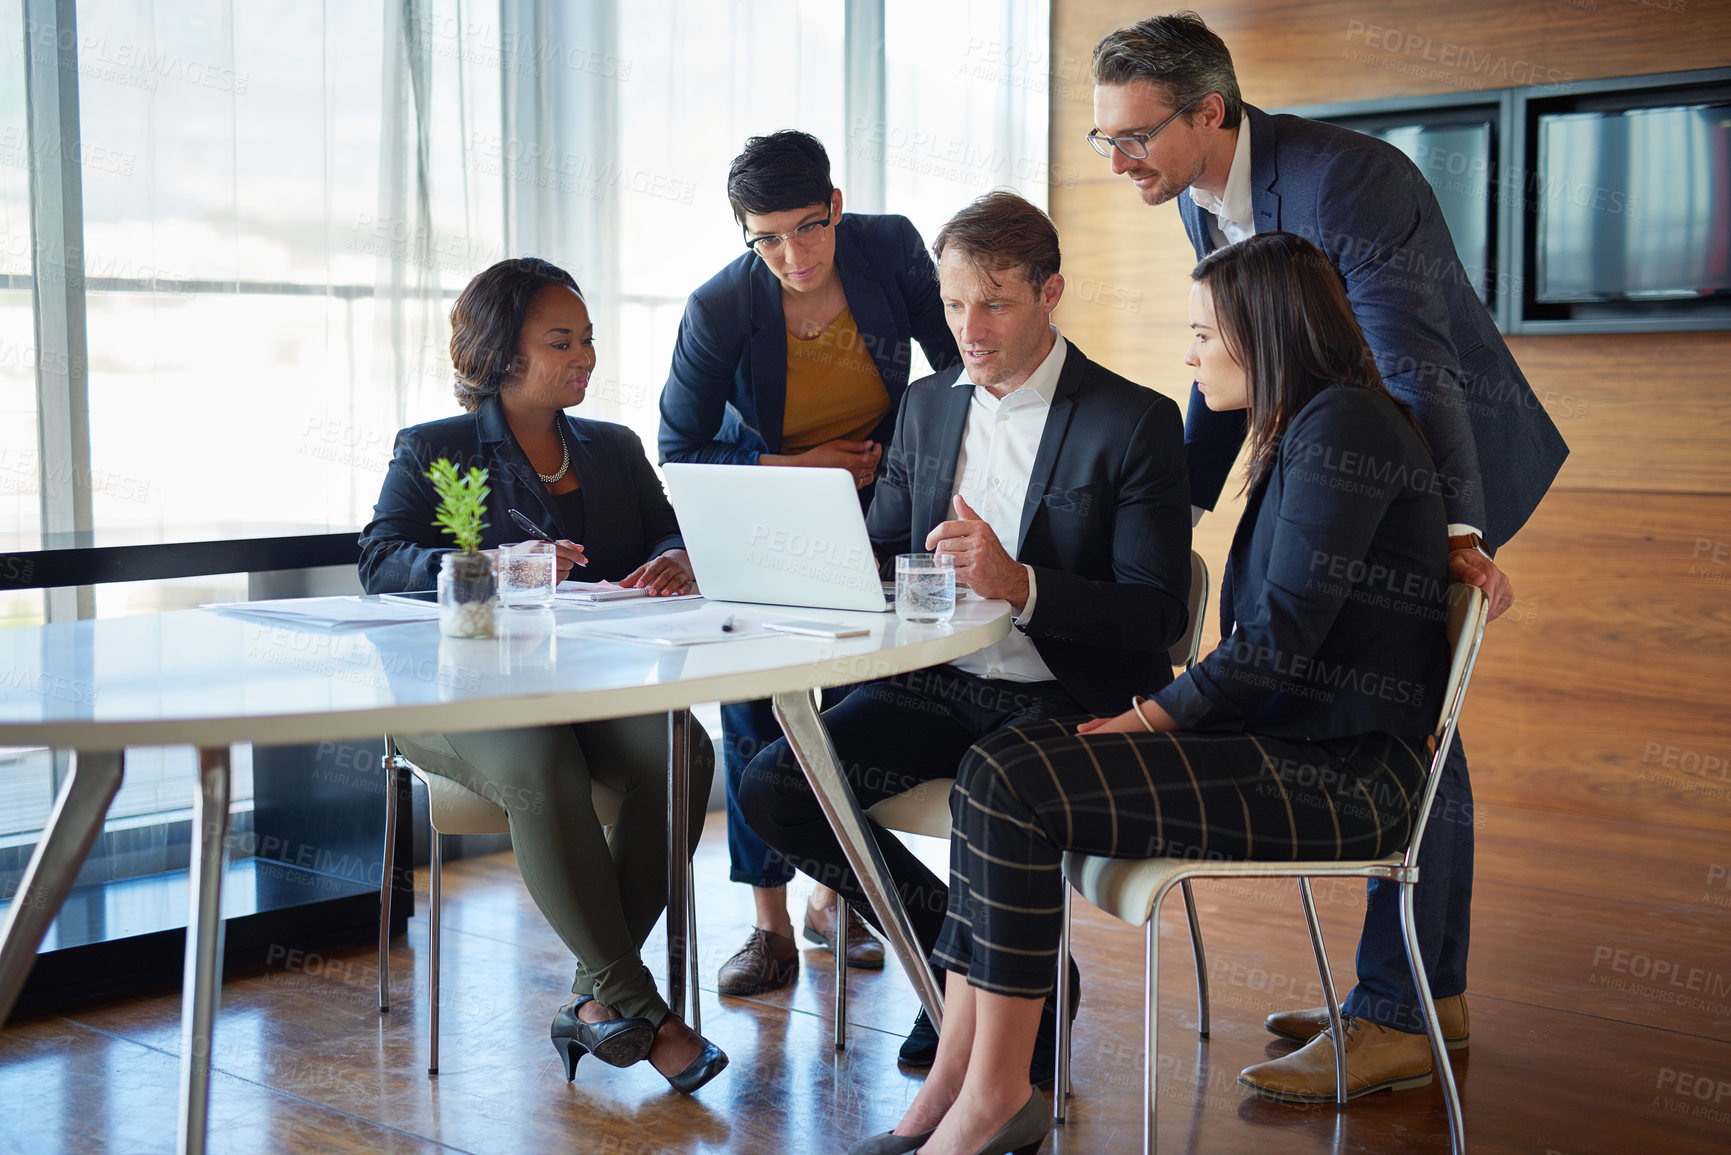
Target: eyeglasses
{"points": [[771, 244], [1135, 146]]}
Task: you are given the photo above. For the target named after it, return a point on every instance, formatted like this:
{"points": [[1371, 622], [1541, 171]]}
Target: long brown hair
{"points": [[1283, 313]]}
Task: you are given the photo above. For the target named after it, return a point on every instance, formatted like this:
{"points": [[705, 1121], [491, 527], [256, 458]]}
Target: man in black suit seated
{"points": [[1058, 487]]}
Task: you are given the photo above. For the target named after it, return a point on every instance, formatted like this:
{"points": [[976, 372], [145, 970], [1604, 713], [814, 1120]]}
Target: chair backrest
{"points": [[1468, 614], [1185, 649]]}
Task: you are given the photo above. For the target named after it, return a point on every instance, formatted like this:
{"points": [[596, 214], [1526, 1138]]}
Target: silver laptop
{"points": [[777, 536]]}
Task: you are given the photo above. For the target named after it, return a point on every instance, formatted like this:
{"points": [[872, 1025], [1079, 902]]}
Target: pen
{"points": [[527, 526], [727, 626]]}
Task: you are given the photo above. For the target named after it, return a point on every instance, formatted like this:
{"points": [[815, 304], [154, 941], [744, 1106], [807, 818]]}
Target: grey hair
{"points": [[1179, 53]]}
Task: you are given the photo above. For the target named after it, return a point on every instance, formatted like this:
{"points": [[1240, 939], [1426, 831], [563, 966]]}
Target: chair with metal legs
{"points": [[926, 810], [455, 809], [1132, 890]]}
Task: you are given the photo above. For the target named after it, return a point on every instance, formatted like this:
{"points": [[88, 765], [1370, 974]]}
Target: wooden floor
{"points": [[1601, 1022]]}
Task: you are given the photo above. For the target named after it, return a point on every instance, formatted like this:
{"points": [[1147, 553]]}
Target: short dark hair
{"points": [[784, 170], [1179, 53], [1001, 231], [1283, 313], [487, 321]]}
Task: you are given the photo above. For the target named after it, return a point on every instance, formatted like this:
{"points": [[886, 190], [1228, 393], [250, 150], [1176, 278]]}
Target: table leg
{"points": [[71, 832], [678, 856], [202, 982], [810, 744]]}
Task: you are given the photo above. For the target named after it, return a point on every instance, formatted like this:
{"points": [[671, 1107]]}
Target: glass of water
{"points": [[526, 574], [925, 587]]}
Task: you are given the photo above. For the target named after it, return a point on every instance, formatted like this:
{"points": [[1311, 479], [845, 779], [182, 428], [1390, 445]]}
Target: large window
{"points": [[279, 201]]}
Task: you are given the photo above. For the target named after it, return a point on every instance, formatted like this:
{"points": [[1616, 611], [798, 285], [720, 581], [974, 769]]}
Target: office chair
{"points": [[1132, 890]]}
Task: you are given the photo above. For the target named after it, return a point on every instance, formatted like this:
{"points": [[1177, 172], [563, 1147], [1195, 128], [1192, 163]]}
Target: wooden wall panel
{"points": [[1607, 690], [1639, 412]]}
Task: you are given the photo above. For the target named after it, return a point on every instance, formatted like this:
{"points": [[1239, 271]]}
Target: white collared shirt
{"points": [[1231, 217], [999, 445]]}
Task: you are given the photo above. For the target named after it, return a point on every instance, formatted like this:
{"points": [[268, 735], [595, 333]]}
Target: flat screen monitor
{"points": [[1634, 205], [1456, 160]]}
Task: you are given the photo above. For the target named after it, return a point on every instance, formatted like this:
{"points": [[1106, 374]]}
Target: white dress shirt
{"points": [[999, 444], [1231, 218]]}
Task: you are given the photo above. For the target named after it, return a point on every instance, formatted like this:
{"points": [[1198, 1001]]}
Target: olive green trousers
{"points": [[602, 892]]}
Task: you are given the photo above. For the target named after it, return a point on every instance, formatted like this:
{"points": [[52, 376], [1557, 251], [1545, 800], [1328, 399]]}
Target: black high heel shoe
{"points": [[617, 1042], [700, 1070]]}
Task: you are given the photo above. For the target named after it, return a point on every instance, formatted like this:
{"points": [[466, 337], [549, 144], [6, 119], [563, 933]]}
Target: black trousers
{"points": [[1028, 794], [891, 736]]}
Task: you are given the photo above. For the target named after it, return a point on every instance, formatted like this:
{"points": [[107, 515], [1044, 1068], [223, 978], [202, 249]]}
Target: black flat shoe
{"points": [[617, 1042], [705, 1067]]}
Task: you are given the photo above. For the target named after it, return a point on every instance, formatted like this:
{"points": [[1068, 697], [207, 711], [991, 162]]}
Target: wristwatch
{"points": [[1470, 541]]}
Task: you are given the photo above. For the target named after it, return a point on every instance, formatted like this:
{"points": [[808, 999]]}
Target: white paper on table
{"points": [[351, 611], [597, 593], [686, 628]]}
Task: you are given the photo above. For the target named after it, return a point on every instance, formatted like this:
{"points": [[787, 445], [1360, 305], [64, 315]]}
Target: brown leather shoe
{"points": [[767, 962], [1377, 1059], [864, 951], [1305, 1025]]}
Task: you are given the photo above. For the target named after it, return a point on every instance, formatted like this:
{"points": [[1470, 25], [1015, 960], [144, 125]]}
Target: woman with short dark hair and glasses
{"points": [[523, 349], [1301, 736], [796, 354]]}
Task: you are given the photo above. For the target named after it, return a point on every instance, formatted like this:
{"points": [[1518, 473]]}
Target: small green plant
{"points": [[462, 502]]}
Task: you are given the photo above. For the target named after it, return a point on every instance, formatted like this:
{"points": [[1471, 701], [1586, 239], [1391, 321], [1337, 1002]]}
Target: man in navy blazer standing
{"points": [[796, 354], [1168, 115]]}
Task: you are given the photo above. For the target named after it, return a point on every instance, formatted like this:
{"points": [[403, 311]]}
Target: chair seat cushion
{"points": [[1127, 888], [923, 810]]}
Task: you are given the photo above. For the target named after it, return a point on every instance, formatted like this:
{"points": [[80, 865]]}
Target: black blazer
{"points": [[726, 395], [1370, 209], [626, 514], [1337, 581], [1105, 521]]}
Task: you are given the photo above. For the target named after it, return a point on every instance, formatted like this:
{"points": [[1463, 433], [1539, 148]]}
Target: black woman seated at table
{"points": [[1301, 736], [523, 349], [796, 354]]}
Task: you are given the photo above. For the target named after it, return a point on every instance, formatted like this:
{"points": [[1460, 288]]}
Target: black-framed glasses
{"points": [[770, 244], [1135, 146]]}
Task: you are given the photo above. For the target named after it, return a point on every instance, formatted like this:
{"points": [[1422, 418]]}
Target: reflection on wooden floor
{"points": [[1601, 1021]]}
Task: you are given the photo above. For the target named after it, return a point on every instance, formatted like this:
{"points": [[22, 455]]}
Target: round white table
{"points": [[210, 679]]}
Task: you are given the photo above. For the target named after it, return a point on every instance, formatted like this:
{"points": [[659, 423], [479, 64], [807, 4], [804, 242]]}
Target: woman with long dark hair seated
{"points": [[1302, 736], [523, 349]]}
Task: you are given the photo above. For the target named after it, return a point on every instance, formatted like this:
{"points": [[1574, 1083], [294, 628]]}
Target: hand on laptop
{"points": [[670, 573], [981, 560], [859, 458]]}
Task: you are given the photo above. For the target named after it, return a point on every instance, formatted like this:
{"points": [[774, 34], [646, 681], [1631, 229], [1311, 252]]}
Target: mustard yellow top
{"points": [[833, 388]]}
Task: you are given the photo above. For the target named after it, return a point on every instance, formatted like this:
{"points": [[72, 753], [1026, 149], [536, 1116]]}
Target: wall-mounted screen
{"points": [[1456, 160], [1634, 205]]}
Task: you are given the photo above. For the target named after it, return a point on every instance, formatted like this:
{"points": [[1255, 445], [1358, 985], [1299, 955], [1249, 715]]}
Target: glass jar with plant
{"points": [[466, 583]]}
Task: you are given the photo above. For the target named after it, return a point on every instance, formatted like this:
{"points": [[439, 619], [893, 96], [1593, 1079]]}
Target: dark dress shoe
{"points": [[889, 1143], [1025, 1132], [617, 1042], [767, 962], [920, 1048], [700, 1070]]}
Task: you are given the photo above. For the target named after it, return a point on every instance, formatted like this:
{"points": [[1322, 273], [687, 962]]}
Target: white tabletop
{"points": [[204, 678]]}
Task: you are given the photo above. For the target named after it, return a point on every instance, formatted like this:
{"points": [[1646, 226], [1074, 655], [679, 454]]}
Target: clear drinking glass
{"points": [[526, 572], [925, 587]]}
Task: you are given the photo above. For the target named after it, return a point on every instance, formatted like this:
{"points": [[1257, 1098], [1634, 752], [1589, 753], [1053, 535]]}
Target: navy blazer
{"points": [[1371, 210], [1105, 521], [726, 395], [1333, 604], [627, 519]]}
